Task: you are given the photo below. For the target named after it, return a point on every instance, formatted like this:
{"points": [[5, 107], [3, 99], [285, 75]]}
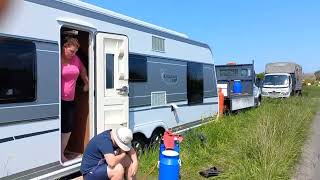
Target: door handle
{"points": [[123, 90]]}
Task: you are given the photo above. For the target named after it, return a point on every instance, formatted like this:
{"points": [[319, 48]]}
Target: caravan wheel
{"points": [[156, 137], [139, 143]]}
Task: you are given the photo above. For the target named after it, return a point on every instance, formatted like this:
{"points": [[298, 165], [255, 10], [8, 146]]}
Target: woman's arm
{"points": [[85, 79]]}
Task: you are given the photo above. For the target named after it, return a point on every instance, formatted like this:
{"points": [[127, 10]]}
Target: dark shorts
{"points": [[97, 173], [67, 115]]}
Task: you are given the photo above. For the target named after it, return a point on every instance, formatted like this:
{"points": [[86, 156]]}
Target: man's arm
{"points": [[113, 160], [134, 159], [133, 156]]}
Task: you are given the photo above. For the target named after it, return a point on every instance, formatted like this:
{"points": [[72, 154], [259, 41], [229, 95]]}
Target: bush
{"points": [[306, 82]]}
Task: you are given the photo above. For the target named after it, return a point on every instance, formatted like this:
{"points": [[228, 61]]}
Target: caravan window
{"points": [[195, 83], [109, 71], [17, 70], [137, 68]]}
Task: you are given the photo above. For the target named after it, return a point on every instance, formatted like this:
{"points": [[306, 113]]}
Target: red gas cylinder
{"points": [[221, 102]]}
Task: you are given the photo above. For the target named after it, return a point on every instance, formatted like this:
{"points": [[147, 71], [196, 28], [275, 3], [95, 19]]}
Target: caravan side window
{"points": [[137, 68], [195, 83], [17, 70]]}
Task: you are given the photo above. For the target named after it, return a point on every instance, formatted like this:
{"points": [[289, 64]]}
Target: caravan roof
{"points": [[97, 9]]}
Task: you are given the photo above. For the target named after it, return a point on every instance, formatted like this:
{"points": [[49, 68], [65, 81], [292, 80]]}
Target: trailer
{"points": [[227, 75], [141, 76]]}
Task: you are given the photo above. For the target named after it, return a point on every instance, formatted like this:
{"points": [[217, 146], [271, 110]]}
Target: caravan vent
{"points": [[158, 98], [158, 44]]}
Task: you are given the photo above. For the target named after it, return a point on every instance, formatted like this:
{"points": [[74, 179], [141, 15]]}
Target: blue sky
{"points": [[240, 31]]}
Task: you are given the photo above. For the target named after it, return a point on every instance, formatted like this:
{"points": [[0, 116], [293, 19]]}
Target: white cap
{"points": [[123, 137]]}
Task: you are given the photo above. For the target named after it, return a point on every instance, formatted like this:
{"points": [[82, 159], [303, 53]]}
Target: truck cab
{"points": [[277, 85]]}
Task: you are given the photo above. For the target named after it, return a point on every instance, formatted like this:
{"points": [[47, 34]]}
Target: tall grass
{"points": [[262, 143]]}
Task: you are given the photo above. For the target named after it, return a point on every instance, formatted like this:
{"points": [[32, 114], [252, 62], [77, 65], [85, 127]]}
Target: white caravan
{"points": [[141, 76]]}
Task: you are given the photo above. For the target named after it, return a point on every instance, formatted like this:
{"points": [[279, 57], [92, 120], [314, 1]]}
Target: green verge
{"points": [[261, 143]]}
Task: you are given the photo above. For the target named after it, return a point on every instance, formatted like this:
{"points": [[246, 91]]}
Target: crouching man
{"points": [[109, 155]]}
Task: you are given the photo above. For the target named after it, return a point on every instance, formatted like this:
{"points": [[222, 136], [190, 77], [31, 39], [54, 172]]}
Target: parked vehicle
{"points": [[231, 75], [142, 76], [282, 79]]}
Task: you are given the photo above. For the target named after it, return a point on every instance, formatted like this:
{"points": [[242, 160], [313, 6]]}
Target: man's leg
{"points": [[100, 172], [127, 164], [116, 173]]}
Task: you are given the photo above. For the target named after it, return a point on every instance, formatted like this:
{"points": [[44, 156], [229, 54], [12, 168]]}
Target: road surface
{"points": [[309, 166]]}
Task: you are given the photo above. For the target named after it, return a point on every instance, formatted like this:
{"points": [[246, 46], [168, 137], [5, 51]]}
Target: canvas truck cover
{"points": [[282, 67]]}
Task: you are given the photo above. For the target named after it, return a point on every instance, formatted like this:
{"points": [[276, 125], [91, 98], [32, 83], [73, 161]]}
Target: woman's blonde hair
{"points": [[71, 42]]}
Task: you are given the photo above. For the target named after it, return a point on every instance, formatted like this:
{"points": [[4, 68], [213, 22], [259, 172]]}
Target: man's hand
{"points": [[114, 159], [134, 165]]}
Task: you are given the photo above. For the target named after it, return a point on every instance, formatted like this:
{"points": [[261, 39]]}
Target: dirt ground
{"points": [[309, 166]]}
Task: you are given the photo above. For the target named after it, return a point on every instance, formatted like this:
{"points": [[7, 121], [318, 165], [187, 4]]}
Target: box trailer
{"points": [[227, 77]]}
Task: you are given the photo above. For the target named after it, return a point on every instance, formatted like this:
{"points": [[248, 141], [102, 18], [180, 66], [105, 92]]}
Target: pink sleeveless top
{"points": [[69, 75]]}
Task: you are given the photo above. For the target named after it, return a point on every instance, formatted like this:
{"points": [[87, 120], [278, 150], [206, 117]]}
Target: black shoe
{"points": [[210, 172]]}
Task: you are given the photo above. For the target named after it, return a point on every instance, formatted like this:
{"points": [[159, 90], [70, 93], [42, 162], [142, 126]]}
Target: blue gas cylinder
{"points": [[237, 87], [169, 165]]}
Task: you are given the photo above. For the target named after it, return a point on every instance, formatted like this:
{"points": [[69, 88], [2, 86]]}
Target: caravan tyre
{"points": [[156, 137], [138, 143]]}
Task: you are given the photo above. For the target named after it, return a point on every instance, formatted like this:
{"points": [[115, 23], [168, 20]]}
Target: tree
{"points": [[317, 74], [260, 76]]}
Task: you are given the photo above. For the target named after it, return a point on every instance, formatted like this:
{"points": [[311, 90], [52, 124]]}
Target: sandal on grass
{"points": [[210, 172]]}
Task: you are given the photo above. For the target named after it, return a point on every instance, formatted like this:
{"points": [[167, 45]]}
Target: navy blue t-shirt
{"points": [[96, 148]]}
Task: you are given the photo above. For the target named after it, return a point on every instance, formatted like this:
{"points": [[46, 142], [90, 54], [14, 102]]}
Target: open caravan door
{"points": [[112, 91]]}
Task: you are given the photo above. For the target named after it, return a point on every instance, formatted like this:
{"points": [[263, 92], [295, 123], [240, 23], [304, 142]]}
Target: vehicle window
{"points": [[17, 70], [137, 68], [195, 83], [228, 72], [109, 71]]}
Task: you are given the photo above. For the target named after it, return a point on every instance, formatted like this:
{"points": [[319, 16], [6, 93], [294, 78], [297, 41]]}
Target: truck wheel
{"points": [[292, 93], [139, 143], [298, 93], [259, 101]]}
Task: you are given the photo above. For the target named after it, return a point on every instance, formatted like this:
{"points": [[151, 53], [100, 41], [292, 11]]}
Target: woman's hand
{"points": [[86, 88]]}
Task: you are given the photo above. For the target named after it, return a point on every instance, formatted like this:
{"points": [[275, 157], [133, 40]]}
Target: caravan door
{"points": [[112, 99]]}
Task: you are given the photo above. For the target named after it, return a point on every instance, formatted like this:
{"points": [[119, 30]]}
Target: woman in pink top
{"points": [[71, 68]]}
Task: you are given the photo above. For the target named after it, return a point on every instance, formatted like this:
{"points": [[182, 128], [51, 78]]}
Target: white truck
{"points": [[282, 80]]}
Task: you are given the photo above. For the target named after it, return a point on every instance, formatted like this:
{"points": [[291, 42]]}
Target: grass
{"points": [[261, 143], [312, 91]]}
